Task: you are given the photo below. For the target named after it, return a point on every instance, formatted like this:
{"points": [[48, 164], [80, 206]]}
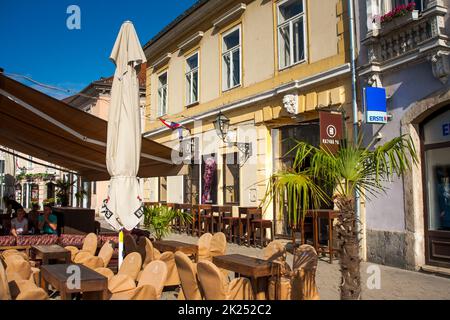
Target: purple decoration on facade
{"points": [[210, 170]]}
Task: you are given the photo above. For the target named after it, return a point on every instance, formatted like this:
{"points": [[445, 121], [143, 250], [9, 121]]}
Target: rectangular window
{"points": [[192, 69], [231, 59], [291, 32], [231, 171], [162, 94]]}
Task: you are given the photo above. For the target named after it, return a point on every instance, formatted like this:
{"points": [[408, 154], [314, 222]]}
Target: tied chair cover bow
{"points": [[216, 287], [150, 285], [280, 284], [187, 271], [19, 280], [101, 260], [89, 247], [304, 274]]}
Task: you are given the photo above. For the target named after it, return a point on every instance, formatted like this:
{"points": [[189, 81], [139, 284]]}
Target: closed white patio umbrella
{"points": [[124, 205]]}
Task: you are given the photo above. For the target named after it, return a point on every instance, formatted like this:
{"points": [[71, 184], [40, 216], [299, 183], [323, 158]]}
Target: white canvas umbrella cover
{"points": [[123, 208]]}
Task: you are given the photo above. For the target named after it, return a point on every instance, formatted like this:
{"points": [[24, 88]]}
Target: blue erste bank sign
{"points": [[375, 105]]}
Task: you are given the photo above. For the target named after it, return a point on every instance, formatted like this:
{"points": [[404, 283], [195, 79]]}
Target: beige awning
{"points": [[36, 124]]}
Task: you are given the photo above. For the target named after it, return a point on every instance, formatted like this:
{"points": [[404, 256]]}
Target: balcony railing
{"points": [[406, 39]]}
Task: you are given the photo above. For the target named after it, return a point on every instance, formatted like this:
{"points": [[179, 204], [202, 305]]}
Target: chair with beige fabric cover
{"points": [[304, 274], [216, 287], [5, 294], [147, 251], [89, 246], [204, 245], [99, 261], [279, 285], [129, 244], [19, 276], [153, 276], [28, 290], [17, 268], [10, 252], [173, 278], [218, 245], [188, 276], [125, 279]]}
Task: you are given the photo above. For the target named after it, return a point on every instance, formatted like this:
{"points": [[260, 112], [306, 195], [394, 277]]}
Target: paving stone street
{"points": [[396, 284]]}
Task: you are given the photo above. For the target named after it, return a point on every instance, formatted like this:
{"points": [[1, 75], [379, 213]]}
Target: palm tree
{"points": [[352, 169], [63, 193]]}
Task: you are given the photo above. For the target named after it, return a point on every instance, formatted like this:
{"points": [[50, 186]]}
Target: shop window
{"points": [[231, 173], [437, 167], [191, 184], [291, 32]]}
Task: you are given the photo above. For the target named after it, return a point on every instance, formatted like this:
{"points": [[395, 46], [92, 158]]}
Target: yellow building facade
{"points": [[268, 66]]}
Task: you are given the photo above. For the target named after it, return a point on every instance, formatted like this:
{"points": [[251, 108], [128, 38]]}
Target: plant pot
{"points": [[399, 22]]}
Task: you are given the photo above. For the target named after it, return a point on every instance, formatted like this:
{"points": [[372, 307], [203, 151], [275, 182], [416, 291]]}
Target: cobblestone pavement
{"points": [[396, 284]]}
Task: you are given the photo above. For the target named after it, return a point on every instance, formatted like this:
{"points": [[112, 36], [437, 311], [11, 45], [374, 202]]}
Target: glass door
{"points": [[436, 141]]}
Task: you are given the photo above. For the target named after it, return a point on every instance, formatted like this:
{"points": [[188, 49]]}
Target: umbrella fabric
{"points": [[124, 205]]}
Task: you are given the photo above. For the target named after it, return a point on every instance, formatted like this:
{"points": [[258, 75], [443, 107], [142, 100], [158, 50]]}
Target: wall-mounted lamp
{"points": [[222, 126]]}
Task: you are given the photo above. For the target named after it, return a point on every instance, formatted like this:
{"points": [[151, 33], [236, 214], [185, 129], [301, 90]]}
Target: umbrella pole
{"points": [[120, 248]]}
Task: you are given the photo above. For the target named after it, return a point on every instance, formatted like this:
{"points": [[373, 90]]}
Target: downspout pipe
{"points": [[351, 21]]}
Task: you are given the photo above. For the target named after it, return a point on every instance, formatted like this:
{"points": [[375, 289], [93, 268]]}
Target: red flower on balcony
{"points": [[398, 11]]}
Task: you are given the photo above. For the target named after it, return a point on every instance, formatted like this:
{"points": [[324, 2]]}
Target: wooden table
{"points": [[174, 246], [47, 253], [93, 285], [259, 271]]}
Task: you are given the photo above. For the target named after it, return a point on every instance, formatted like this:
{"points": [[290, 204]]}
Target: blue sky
{"points": [[37, 43]]}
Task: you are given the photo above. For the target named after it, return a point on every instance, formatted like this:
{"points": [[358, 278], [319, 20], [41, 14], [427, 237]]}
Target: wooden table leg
{"points": [[44, 284], [64, 295], [260, 288]]}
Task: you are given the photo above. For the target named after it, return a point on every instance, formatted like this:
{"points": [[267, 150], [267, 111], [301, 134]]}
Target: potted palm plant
{"points": [[158, 220], [353, 168], [80, 195], [63, 193]]}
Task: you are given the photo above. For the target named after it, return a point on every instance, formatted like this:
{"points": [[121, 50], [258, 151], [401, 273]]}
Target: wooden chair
{"points": [[186, 227], [217, 214], [246, 215], [228, 224], [202, 215], [262, 225]]}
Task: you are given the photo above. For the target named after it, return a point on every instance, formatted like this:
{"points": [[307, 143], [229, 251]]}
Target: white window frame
{"points": [[231, 51], [190, 74], [160, 110], [290, 22]]}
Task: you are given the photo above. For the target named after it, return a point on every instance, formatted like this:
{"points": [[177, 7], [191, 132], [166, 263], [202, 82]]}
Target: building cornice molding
{"points": [[228, 16], [191, 41], [288, 88]]}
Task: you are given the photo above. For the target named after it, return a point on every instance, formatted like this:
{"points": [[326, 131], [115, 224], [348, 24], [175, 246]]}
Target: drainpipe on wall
{"points": [[351, 14]]}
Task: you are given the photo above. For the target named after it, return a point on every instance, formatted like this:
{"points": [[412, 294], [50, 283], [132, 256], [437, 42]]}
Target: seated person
{"points": [[19, 225], [33, 216], [48, 221]]}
